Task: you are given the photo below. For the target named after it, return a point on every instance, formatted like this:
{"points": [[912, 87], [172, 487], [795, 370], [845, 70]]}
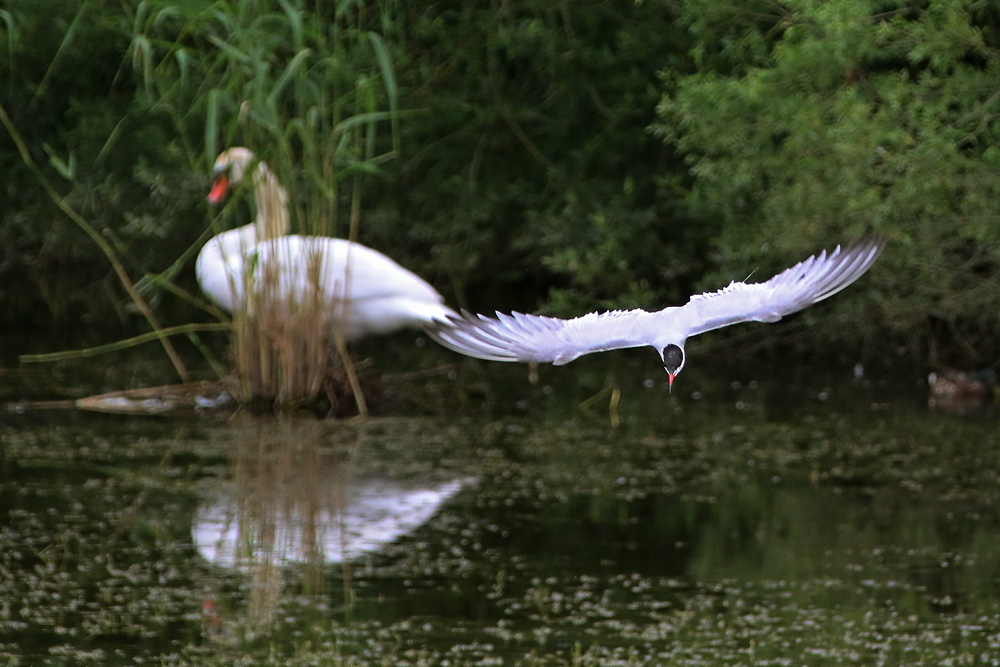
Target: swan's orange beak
{"points": [[670, 382], [219, 189]]}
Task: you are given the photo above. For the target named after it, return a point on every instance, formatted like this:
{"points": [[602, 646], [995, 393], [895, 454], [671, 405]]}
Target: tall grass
{"points": [[310, 88]]}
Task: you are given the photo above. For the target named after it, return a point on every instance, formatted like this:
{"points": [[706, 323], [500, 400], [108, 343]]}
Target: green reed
{"points": [[310, 88]]}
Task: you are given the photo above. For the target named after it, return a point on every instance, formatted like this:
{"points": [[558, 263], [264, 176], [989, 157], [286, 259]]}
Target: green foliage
{"points": [[503, 150], [305, 85], [530, 171], [817, 122], [62, 85]]}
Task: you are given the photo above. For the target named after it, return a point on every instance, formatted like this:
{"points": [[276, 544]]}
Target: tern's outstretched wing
{"points": [[520, 337], [793, 289]]}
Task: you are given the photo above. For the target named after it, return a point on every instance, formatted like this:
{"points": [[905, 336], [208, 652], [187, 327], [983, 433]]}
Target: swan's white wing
{"points": [[520, 337], [363, 291], [341, 269], [809, 281]]}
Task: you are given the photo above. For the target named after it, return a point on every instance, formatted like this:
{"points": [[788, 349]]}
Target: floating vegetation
{"points": [[826, 532], [172, 399]]}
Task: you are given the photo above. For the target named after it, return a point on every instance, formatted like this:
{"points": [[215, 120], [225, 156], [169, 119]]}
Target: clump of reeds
{"points": [[281, 353], [282, 349]]}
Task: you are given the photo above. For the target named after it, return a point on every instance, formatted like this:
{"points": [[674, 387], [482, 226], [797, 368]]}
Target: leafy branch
{"points": [[101, 243]]}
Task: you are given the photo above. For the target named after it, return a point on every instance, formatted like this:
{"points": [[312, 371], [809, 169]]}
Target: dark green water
{"points": [[782, 522]]}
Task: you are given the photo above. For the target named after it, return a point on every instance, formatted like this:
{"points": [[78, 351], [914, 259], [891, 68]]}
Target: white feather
{"points": [[520, 337]]}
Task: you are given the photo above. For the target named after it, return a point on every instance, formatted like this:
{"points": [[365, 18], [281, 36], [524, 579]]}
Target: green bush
{"points": [[528, 172], [809, 123]]}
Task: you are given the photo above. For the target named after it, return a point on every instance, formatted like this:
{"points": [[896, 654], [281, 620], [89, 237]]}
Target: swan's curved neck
{"points": [[272, 204], [219, 266]]}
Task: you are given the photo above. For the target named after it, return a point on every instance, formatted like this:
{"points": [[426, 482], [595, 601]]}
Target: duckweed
{"points": [[748, 525]]}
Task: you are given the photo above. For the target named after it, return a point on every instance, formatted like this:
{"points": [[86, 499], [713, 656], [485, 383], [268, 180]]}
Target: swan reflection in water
{"points": [[375, 512], [311, 492]]}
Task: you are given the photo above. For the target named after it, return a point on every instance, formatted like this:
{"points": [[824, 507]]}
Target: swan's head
{"points": [[673, 361], [229, 169]]}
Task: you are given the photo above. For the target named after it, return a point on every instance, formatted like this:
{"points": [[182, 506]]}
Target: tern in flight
{"points": [[536, 338]]}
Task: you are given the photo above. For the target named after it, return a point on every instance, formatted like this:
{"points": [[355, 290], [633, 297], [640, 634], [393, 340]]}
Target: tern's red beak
{"points": [[219, 189], [670, 382]]}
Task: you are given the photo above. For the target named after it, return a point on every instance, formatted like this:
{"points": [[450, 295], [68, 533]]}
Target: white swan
{"points": [[363, 291]]}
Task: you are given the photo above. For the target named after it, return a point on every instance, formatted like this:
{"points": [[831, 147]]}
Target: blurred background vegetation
{"points": [[550, 156]]}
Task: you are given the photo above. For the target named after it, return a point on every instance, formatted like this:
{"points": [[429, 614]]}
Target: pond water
{"points": [[784, 521]]}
